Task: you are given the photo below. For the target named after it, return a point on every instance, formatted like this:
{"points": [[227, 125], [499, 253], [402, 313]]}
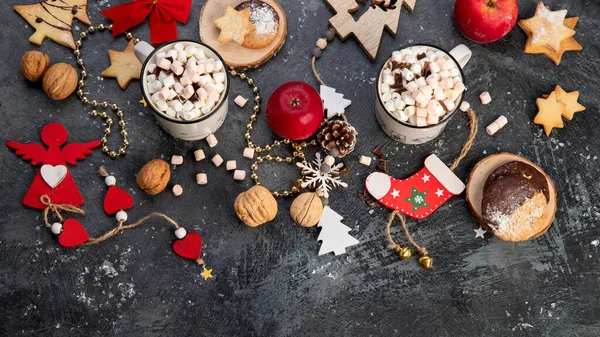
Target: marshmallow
{"points": [[160, 55], [427, 91], [161, 105], [407, 74], [220, 88], [212, 140], [388, 79], [209, 67], [407, 98], [205, 109], [364, 160], [177, 68], [402, 115], [496, 125], [399, 104], [449, 104], [412, 120], [172, 95], [448, 65], [199, 104], [201, 179], [199, 54], [151, 67], [220, 77], [178, 47], [454, 72], [431, 107], [204, 80], [396, 96], [185, 81], [239, 175], [421, 112], [421, 82], [171, 112], [202, 94], [416, 68], [447, 83], [176, 105], [172, 54], [397, 56], [421, 121], [218, 65], [163, 94], [432, 119], [384, 88], [438, 93], [188, 91], [230, 165], [169, 81], [410, 111], [410, 58], [178, 87], [459, 87], [389, 106], [177, 190], [156, 86], [485, 98], [190, 115], [412, 87], [444, 74], [434, 68], [248, 153], [464, 106], [176, 160], [419, 96], [190, 50], [163, 63], [199, 155], [188, 106], [240, 100], [386, 97], [213, 96], [181, 57], [432, 82], [155, 97], [151, 78], [217, 160], [200, 69]]}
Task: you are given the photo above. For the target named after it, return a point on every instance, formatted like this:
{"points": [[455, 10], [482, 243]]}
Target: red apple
{"points": [[295, 111], [485, 21]]}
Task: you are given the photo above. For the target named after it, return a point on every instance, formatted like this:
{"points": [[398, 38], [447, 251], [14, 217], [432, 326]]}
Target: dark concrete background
{"points": [[269, 280]]}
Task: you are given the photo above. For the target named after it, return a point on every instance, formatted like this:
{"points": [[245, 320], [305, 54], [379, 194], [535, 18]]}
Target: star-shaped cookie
{"points": [[547, 28], [234, 25], [124, 66], [569, 99], [568, 44], [549, 114], [53, 19]]}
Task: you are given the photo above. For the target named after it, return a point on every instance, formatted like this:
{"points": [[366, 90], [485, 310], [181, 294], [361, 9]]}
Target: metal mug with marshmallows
{"points": [[196, 129], [412, 134]]}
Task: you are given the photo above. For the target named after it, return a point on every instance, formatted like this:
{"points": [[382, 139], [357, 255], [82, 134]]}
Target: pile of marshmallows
{"points": [[184, 83], [425, 89]]}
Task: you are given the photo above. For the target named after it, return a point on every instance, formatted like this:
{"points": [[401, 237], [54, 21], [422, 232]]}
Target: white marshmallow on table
{"points": [[176, 159], [384, 88], [485, 98], [151, 67], [172, 53], [161, 105], [464, 106], [432, 119], [220, 77], [410, 111], [201, 179], [386, 97], [188, 106], [421, 82], [190, 50], [181, 57], [389, 106], [163, 63], [365, 160], [449, 104], [178, 47], [231, 165], [217, 160], [248, 153], [408, 99], [239, 175], [239, 100], [434, 67], [177, 190], [188, 91], [496, 125], [110, 181], [416, 68], [447, 83], [212, 140], [151, 78], [202, 94], [399, 104], [169, 81], [438, 93], [407, 74], [412, 87], [421, 121]]}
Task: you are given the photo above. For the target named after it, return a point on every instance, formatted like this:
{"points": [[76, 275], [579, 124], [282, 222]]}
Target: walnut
{"points": [[154, 176], [306, 210], [60, 81], [255, 206], [34, 65]]}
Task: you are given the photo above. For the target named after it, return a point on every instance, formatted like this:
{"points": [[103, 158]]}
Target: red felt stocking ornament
{"points": [[420, 194]]}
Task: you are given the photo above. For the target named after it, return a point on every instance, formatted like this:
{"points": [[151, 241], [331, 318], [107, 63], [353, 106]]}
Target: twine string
{"points": [[314, 69]]}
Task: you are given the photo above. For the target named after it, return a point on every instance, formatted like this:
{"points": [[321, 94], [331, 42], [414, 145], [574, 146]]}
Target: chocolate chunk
{"points": [[421, 56], [504, 196], [519, 168]]}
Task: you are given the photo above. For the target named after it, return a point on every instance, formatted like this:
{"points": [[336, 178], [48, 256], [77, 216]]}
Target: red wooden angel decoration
{"points": [[53, 179]]}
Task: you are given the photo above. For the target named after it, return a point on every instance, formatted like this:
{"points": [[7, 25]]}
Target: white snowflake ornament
{"points": [[313, 177]]}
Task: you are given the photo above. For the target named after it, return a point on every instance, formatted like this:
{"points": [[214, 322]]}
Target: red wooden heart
{"points": [[73, 234], [190, 247], [117, 199]]}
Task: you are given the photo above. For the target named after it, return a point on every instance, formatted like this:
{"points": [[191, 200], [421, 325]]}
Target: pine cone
{"points": [[337, 134]]}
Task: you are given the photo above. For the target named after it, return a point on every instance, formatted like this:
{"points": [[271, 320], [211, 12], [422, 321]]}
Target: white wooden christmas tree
{"points": [[334, 234]]}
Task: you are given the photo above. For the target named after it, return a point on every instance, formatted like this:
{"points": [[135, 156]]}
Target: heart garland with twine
{"points": [[163, 15]]}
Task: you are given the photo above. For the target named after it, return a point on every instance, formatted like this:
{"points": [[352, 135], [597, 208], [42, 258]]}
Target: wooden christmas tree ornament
{"points": [[368, 29]]}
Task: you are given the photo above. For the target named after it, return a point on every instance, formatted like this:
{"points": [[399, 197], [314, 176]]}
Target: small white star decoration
{"points": [[439, 193], [479, 233], [425, 178], [314, 178], [395, 193]]}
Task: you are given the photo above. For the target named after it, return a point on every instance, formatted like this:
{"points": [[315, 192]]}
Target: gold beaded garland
{"points": [[94, 103]]}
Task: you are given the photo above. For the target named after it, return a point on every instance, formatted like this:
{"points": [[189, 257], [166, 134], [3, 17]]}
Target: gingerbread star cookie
{"points": [[124, 66], [53, 19], [234, 25], [568, 44], [547, 28], [549, 114], [569, 99]]}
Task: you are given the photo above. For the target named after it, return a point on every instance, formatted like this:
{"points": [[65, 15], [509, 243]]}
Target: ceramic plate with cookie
{"points": [[246, 33], [511, 197]]}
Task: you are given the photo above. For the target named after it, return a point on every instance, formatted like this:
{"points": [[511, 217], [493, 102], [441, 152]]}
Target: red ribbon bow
{"points": [[163, 14]]}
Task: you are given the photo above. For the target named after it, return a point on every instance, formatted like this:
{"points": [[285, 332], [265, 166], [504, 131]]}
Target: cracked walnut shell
{"points": [[154, 176], [306, 210], [60, 81], [34, 65], [256, 206]]}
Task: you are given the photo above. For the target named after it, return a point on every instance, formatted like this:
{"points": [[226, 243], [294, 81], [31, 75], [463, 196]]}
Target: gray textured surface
{"points": [[268, 280]]}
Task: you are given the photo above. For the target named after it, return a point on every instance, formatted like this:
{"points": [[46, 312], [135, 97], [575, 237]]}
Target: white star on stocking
{"points": [[395, 193], [425, 178], [479, 232], [439, 193]]}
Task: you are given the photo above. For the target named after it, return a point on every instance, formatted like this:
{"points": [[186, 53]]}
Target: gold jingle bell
{"points": [[426, 261], [405, 253]]}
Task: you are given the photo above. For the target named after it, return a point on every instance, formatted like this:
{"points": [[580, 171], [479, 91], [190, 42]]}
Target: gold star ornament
{"points": [[234, 25], [124, 66], [206, 273]]}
